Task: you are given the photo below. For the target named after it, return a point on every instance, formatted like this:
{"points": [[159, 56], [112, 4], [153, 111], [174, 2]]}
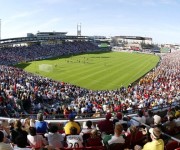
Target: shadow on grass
{"points": [[68, 56], [22, 65]]}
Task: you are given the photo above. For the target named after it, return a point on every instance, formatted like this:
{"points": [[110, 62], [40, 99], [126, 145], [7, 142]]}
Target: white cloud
{"points": [[20, 15]]}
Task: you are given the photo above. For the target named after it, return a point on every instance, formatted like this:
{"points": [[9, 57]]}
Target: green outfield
{"points": [[96, 71]]}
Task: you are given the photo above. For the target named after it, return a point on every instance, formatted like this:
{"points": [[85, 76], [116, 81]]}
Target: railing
{"points": [[102, 115]]}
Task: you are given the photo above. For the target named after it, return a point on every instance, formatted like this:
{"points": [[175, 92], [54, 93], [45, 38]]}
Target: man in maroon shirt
{"points": [[106, 125]]}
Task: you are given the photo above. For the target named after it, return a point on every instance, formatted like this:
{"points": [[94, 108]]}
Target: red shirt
{"points": [[106, 126]]}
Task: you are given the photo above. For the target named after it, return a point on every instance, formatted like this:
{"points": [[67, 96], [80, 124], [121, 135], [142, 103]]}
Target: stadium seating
{"points": [[172, 145], [116, 146]]}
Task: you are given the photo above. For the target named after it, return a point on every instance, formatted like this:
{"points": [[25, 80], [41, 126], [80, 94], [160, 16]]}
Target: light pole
{"points": [[0, 29]]}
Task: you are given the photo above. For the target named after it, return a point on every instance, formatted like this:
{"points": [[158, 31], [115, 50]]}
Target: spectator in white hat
{"points": [[156, 144]]}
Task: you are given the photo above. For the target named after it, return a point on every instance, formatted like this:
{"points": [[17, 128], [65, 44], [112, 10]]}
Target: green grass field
{"points": [[96, 71]]}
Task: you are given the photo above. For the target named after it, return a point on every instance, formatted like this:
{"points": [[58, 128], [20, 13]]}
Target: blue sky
{"points": [[158, 19]]}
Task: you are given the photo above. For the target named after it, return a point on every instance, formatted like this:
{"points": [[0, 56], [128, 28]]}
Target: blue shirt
{"points": [[41, 126]]}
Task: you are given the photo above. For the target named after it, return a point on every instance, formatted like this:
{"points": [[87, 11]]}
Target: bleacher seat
{"points": [[65, 148], [95, 148], [94, 142], [172, 145], [116, 146]]}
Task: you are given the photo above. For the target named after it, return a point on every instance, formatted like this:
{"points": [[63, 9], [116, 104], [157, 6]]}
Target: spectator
{"points": [[177, 111], [95, 139], [88, 127], [157, 121], [2, 129], [116, 138], [170, 125], [18, 131], [71, 123], [134, 136], [26, 124], [137, 120], [74, 140], [119, 119], [35, 141], [55, 139], [40, 124], [106, 126], [156, 144], [32, 123], [11, 124], [4, 146], [21, 143], [149, 118]]}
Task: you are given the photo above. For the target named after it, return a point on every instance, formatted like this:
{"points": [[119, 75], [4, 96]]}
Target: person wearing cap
{"points": [[119, 119], [156, 144], [11, 124], [157, 122], [71, 123], [106, 125]]}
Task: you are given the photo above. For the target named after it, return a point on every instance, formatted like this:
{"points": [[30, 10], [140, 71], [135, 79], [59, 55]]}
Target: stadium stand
{"points": [[23, 95]]}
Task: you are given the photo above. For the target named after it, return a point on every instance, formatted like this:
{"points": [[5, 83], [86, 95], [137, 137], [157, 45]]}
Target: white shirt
{"points": [[74, 141], [18, 148], [54, 139], [140, 119], [116, 139], [36, 141], [177, 122], [4, 146]]}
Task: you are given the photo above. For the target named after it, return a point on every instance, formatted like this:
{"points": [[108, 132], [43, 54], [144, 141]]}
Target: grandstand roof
{"points": [[134, 37], [38, 39]]}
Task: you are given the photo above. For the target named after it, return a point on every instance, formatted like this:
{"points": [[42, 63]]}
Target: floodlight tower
{"points": [[79, 29], [0, 29]]}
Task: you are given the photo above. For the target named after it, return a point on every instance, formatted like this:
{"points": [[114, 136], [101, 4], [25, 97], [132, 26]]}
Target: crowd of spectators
{"points": [[14, 55], [37, 135]]}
